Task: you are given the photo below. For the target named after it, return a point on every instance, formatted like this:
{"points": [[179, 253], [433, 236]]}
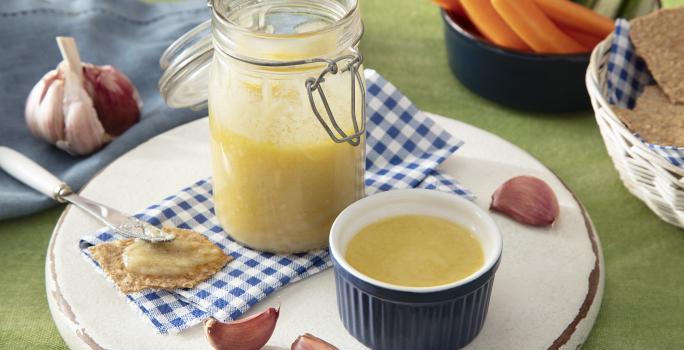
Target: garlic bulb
{"points": [[81, 107]]}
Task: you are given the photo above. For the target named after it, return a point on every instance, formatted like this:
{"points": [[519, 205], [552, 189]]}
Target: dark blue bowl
{"points": [[383, 316], [527, 81]]}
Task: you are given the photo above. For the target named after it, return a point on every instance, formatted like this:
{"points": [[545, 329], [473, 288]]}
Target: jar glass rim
{"points": [[230, 25]]}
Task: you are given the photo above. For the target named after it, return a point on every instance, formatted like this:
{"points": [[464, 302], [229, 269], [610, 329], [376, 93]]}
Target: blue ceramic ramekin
{"points": [[384, 316]]}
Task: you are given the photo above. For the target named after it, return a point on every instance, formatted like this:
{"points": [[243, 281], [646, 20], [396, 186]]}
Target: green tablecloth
{"points": [[643, 305]]}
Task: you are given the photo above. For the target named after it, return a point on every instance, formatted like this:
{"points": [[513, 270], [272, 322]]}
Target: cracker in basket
{"points": [[135, 265], [654, 100], [659, 39], [655, 118]]}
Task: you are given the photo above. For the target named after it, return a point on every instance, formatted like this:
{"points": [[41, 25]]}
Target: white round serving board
{"points": [[547, 291]]}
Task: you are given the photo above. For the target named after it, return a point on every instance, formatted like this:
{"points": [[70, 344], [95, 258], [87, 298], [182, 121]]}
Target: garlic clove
{"points": [[37, 94], [43, 111], [84, 133], [310, 342], [49, 116], [115, 98], [250, 333], [528, 200]]}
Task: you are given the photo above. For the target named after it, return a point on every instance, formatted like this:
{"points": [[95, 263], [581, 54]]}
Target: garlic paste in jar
{"points": [[279, 180]]}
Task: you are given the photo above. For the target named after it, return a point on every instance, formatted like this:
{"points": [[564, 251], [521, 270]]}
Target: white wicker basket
{"points": [[649, 176]]}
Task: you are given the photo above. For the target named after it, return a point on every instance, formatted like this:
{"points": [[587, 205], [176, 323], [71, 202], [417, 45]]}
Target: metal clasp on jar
{"points": [[314, 85]]}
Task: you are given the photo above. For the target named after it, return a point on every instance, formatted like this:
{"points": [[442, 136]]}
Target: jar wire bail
{"points": [[314, 85]]}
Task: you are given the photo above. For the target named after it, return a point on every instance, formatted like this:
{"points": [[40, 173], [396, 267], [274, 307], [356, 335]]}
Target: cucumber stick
{"points": [[636, 8], [608, 8]]}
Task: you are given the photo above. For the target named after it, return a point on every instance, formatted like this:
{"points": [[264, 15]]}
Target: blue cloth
{"points": [[626, 77], [128, 34], [404, 148]]}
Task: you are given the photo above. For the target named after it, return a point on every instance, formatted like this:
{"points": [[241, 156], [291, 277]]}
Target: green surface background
{"points": [[643, 304]]}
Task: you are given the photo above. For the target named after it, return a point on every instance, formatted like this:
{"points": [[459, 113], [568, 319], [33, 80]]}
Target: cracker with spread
{"points": [[184, 262]]}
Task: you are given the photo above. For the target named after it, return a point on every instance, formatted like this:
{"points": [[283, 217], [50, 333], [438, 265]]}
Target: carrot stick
{"points": [[451, 5], [532, 25], [576, 16], [490, 24], [587, 40]]}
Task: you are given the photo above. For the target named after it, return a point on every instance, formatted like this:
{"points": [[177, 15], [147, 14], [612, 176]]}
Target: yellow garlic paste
{"points": [[279, 180], [177, 257], [415, 251]]}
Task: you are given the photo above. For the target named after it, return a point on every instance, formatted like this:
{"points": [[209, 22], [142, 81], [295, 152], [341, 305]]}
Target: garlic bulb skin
{"points": [[115, 98]]}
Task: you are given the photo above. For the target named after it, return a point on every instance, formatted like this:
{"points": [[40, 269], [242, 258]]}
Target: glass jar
{"points": [[286, 112]]}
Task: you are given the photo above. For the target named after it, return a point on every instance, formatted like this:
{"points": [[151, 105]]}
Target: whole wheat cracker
{"points": [[110, 257], [653, 99], [655, 118], [659, 39]]}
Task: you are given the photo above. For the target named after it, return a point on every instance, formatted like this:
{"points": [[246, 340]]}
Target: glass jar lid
{"points": [[186, 65], [275, 29]]}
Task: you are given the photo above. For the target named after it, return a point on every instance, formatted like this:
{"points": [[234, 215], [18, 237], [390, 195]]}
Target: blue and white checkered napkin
{"points": [[404, 148], [626, 78]]}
